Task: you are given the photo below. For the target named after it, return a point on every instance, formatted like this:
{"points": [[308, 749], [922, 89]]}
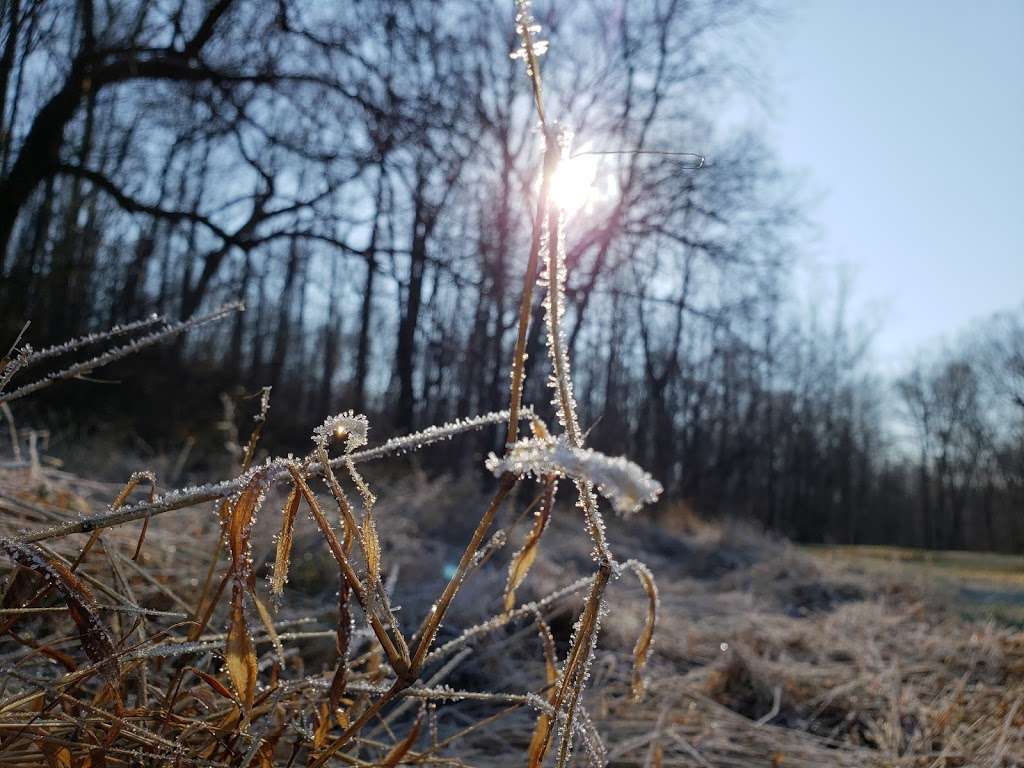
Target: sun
{"points": [[574, 183]]}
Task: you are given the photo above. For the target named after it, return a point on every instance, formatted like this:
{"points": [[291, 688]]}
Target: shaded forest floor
{"points": [[766, 654]]}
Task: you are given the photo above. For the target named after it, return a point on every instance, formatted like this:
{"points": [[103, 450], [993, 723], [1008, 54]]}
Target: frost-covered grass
{"points": [[150, 634]]}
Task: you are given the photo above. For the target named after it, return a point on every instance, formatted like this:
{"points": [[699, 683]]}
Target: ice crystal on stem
{"points": [[527, 28], [94, 338], [350, 426], [13, 366]]}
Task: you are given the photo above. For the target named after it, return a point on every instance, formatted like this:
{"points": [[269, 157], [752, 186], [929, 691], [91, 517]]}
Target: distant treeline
{"points": [[364, 175]]}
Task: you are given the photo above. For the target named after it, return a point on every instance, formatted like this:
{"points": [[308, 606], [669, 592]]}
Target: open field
{"points": [[982, 585]]}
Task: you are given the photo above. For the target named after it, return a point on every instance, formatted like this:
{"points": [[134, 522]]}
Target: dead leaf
{"points": [[240, 653], [268, 624], [371, 546], [282, 557], [213, 682], [642, 649], [92, 632], [323, 726]]}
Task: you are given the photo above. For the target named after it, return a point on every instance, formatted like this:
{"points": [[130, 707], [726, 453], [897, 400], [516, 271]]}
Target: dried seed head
{"points": [[350, 426]]}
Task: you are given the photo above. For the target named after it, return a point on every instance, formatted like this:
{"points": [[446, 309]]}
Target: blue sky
{"points": [[907, 118]]}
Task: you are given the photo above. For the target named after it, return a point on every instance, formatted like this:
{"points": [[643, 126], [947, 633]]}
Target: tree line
{"points": [[362, 175]]}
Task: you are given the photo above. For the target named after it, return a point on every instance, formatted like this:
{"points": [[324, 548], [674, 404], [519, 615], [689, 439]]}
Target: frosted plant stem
{"points": [[526, 304], [530, 50], [11, 368], [562, 382], [561, 379], [117, 353], [351, 533], [368, 714], [575, 670], [503, 619], [577, 665], [408, 675], [93, 338], [394, 656]]}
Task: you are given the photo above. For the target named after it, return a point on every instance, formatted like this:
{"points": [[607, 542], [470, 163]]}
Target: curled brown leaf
{"points": [[542, 730], [240, 523], [642, 649], [524, 558]]}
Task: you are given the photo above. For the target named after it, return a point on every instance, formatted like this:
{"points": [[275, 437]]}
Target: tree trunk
{"points": [[281, 337], [406, 350], [40, 152], [332, 332], [366, 310]]}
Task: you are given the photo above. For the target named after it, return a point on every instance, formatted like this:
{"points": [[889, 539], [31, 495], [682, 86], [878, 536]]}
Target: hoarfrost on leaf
{"points": [[625, 484]]}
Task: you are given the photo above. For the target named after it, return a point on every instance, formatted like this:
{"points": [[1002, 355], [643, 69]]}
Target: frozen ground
{"points": [[765, 654]]}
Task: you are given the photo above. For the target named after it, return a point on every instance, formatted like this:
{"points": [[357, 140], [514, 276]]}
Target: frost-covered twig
{"points": [[621, 486], [14, 358], [273, 470], [417, 440], [530, 49], [502, 619], [12, 367], [116, 353], [584, 727], [93, 338]]}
